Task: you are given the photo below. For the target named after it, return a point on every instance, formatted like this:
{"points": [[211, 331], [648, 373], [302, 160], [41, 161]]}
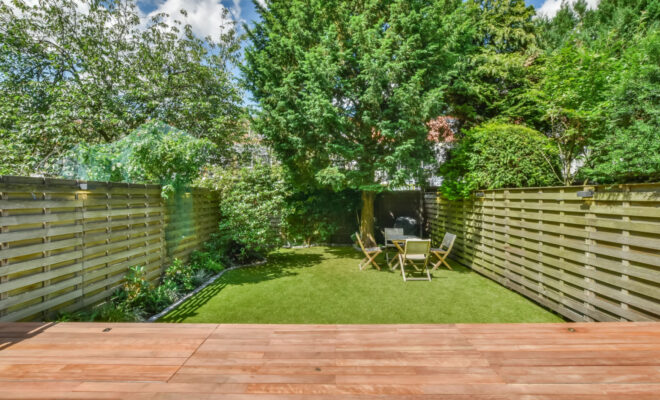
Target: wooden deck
{"points": [[178, 361]]}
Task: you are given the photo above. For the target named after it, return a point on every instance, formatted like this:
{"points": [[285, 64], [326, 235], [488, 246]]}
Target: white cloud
{"points": [[263, 3], [204, 16], [550, 7]]}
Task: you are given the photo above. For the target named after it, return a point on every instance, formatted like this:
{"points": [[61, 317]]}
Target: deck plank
{"points": [[233, 361]]}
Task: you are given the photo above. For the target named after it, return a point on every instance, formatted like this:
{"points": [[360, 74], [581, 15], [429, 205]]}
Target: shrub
{"points": [[252, 210], [181, 275], [498, 155], [135, 289], [161, 296], [210, 258]]}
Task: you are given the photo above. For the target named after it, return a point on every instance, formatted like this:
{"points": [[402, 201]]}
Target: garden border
{"points": [[203, 286]]}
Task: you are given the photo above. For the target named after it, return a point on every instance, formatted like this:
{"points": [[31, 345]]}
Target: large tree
{"points": [[92, 70], [346, 87]]}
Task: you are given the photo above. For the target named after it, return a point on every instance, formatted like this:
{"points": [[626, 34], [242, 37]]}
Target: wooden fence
{"points": [[67, 244], [589, 259]]}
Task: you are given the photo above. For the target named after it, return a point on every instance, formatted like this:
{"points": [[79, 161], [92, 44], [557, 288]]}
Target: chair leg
{"points": [[369, 259], [372, 260], [446, 264], [403, 270]]}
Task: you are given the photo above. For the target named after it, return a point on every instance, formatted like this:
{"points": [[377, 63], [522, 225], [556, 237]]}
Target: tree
{"points": [[345, 88], [92, 71], [493, 66], [573, 86], [629, 151], [594, 89]]}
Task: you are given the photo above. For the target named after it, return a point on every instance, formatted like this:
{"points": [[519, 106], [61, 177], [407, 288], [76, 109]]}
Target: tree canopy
{"points": [[92, 71], [346, 88]]}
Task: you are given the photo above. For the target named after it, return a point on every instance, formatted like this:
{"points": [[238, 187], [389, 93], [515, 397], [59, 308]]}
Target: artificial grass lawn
{"points": [[322, 285]]}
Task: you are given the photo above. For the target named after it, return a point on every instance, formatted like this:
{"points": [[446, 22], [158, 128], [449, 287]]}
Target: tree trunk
{"points": [[367, 219]]}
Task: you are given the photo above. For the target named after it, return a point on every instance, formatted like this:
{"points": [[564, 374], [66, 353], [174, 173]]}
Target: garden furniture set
{"points": [[410, 251]]}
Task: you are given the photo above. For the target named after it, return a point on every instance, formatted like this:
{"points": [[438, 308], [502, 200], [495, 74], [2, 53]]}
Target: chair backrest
{"points": [[417, 247], [448, 241], [389, 232]]}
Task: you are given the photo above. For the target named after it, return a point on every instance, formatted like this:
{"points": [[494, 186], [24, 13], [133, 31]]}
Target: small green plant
{"points": [[135, 289], [161, 297], [181, 275], [209, 260]]}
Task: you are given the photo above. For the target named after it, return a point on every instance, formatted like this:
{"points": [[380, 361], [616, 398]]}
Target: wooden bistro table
{"points": [[399, 242]]}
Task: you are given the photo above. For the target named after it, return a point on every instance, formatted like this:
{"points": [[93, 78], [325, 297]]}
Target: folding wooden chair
{"points": [[370, 253], [442, 252], [415, 252], [389, 233]]}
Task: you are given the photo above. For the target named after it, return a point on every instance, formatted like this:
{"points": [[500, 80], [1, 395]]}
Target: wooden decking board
{"points": [[274, 362]]}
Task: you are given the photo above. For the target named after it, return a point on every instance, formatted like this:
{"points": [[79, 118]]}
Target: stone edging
{"points": [[212, 279]]}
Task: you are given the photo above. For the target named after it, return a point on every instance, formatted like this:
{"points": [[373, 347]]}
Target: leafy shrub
{"points": [[252, 210], [108, 311], [498, 155], [161, 296], [181, 275], [210, 258], [200, 276], [135, 289]]}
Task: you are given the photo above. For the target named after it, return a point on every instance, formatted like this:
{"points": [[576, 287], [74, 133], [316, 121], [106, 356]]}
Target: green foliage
{"points": [[135, 287], [497, 155], [92, 71], [181, 275], [210, 259], [345, 88], [595, 90], [571, 94], [252, 209], [630, 150], [153, 153], [492, 71]]}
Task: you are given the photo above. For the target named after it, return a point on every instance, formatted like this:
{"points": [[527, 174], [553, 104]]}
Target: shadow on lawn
{"points": [[279, 265]]}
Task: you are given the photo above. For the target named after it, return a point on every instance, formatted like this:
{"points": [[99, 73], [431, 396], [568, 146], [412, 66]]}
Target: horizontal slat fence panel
{"points": [[588, 259], [67, 244]]}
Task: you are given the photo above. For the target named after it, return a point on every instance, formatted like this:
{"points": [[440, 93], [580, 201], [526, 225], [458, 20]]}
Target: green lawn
{"points": [[322, 285]]}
